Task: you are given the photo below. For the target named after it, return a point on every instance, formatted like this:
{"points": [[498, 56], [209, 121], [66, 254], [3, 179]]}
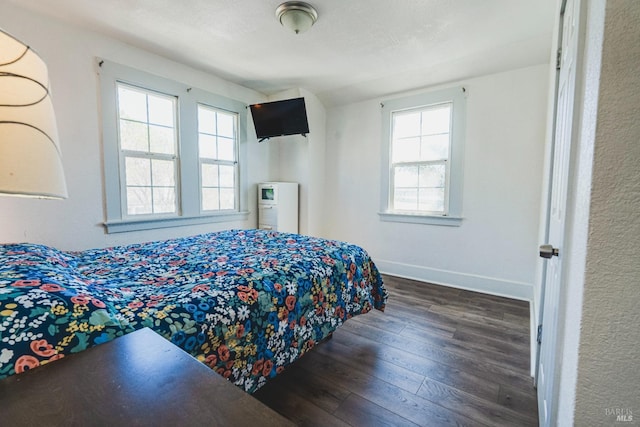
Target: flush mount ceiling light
{"points": [[297, 16]]}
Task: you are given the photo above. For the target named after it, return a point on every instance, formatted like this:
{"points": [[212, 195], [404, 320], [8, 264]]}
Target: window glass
{"points": [[419, 152], [148, 139], [218, 151]]}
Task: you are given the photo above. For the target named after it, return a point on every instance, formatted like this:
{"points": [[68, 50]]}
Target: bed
{"points": [[245, 302]]}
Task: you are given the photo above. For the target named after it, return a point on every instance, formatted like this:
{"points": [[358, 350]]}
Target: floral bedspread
{"points": [[245, 302]]}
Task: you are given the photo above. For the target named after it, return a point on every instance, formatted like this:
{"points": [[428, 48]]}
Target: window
{"points": [[218, 165], [423, 147], [172, 153], [148, 150]]}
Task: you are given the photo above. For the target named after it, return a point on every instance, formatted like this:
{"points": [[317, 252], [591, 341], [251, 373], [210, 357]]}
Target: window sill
{"points": [[121, 226], [450, 221]]}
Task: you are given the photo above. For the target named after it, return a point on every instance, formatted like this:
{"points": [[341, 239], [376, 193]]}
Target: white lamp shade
{"points": [[30, 160]]}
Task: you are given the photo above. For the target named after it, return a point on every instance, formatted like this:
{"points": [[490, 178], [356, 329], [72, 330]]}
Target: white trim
{"points": [[452, 221], [471, 282], [533, 345], [121, 226], [455, 165]]}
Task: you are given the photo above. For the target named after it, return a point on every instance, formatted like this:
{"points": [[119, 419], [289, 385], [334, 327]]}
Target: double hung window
{"points": [[172, 154], [218, 163], [148, 151], [423, 147]]}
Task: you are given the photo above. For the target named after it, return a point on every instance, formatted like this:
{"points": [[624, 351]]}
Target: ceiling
{"points": [[358, 49]]}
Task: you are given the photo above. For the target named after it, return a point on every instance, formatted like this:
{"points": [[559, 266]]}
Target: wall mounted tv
{"points": [[280, 118]]}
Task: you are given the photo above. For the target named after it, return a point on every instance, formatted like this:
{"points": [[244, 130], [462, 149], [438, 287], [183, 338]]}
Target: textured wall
{"points": [[608, 381]]}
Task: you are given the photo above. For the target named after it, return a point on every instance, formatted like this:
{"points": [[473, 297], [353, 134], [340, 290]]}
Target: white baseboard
{"points": [[470, 282]]}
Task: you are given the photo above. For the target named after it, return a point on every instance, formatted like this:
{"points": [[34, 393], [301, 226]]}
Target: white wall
{"points": [[302, 160], [70, 54], [495, 249]]}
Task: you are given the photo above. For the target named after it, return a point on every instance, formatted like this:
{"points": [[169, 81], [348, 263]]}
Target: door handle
{"points": [[548, 251]]}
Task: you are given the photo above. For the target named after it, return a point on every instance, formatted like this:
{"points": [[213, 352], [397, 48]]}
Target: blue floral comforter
{"points": [[245, 302]]}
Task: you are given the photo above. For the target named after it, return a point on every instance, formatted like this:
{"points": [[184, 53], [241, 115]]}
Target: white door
{"points": [[565, 95]]}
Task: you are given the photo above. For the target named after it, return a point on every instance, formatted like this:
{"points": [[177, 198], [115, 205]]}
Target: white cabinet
{"points": [[278, 206]]}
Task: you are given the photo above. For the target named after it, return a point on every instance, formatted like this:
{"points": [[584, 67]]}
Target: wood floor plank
{"points": [[495, 342], [521, 400], [385, 321], [478, 345], [316, 389], [460, 379], [476, 321], [437, 356], [447, 317], [366, 359], [487, 412], [360, 412], [496, 303], [412, 407], [469, 359], [296, 408]]}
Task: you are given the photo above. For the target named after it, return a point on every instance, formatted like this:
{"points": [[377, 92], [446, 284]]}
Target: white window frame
{"points": [[454, 176], [220, 162], [125, 153], [188, 181]]}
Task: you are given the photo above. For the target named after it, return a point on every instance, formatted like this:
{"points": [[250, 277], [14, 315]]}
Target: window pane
{"points": [[406, 150], [406, 176], [210, 199], [406, 125], [227, 198], [162, 139], [225, 149], [138, 200], [161, 110], [132, 104], [435, 147], [227, 175], [436, 120], [163, 173], [164, 200], [207, 145], [226, 125], [137, 171], [209, 175], [431, 199], [405, 199], [206, 120], [432, 176], [134, 136]]}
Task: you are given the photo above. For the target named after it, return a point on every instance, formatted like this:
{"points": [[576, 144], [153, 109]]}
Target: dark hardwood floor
{"points": [[436, 356]]}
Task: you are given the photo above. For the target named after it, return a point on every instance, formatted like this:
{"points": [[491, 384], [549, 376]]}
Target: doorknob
{"points": [[548, 251]]}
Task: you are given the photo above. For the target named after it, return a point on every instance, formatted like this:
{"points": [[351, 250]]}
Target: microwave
{"points": [[268, 193]]}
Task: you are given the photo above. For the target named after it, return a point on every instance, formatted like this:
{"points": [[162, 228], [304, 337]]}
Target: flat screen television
{"points": [[280, 118]]}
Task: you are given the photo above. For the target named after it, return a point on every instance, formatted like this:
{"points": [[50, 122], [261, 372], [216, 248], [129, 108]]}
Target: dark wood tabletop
{"points": [[140, 379]]}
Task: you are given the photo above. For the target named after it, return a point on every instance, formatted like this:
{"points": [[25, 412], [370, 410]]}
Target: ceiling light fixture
{"points": [[297, 16]]}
